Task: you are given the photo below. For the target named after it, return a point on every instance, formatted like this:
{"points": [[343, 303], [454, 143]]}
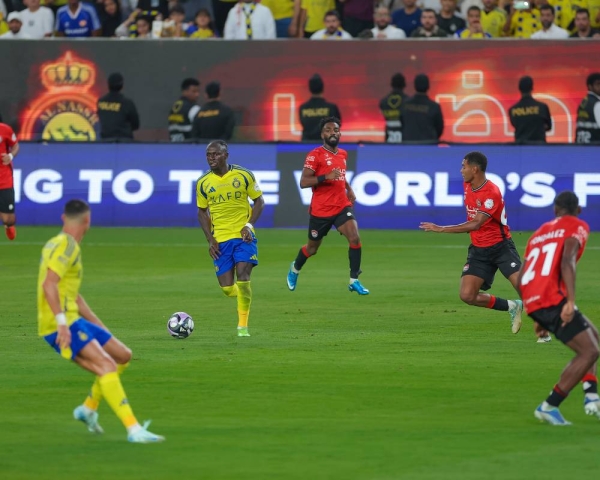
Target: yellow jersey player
{"points": [[70, 327], [227, 220]]}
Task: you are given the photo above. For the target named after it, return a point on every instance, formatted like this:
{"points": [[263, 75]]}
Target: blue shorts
{"points": [[236, 251], [82, 333]]}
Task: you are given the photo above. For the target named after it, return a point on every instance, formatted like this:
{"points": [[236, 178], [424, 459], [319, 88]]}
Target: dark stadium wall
{"points": [[51, 87]]}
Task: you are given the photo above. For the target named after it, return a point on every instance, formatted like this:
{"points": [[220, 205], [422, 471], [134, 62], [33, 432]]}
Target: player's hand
{"points": [[351, 195], [6, 159], [63, 339], [430, 227], [334, 174], [246, 234], [567, 313], [539, 330], [213, 249]]}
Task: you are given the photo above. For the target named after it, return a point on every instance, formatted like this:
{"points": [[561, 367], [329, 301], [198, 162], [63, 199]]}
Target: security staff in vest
{"points": [[588, 113], [422, 119], [391, 107], [315, 109], [118, 114], [530, 118], [215, 120], [184, 111]]}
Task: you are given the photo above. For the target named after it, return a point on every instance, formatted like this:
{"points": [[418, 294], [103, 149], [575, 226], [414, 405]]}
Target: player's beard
{"points": [[332, 141]]}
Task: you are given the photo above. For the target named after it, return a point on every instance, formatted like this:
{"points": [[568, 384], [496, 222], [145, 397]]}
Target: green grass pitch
{"points": [[407, 383]]}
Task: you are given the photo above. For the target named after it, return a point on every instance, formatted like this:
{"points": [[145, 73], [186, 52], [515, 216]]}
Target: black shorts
{"points": [[318, 227], [549, 318], [7, 200], [483, 262]]}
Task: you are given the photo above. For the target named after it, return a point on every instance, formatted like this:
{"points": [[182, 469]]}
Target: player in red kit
{"points": [[491, 246], [9, 147], [331, 205], [547, 283]]}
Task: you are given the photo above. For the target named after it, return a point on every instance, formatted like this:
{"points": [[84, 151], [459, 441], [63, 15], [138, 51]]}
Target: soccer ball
{"points": [[180, 325]]}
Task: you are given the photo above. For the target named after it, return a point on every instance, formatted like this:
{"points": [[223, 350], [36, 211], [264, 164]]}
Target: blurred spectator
{"points": [[407, 18], [203, 26], [184, 111], [118, 114], [143, 27], [588, 113], [474, 28], [391, 109], [54, 5], [549, 29], [333, 29], [434, 5], [530, 118], [448, 20], [312, 14], [249, 20], [283, 13], [564, 10], [429, 27], [492, 18], [383, 29], [466, 4], [358, 15], [76, 20], [3, 25], [15, 32], [583, 27], [174, 26], [221, 9], [38, 21], [109, 12], [215, 120], [422, 119], [312, 111], [366, 35], [522, 22]]}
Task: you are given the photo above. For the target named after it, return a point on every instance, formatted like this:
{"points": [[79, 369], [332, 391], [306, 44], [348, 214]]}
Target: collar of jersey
{"points": [[479, 187]]}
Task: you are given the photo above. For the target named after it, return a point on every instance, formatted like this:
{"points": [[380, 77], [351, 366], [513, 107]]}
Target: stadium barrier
{"points": [[52, 86], [396, 186]]}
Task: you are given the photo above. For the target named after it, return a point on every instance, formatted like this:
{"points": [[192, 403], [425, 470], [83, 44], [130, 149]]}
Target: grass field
{"points": [[407, 383]]}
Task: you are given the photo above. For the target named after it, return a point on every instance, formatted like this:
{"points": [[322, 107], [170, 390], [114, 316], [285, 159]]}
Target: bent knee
{"points": [[468, 297], [312, 250], [354, 240]]}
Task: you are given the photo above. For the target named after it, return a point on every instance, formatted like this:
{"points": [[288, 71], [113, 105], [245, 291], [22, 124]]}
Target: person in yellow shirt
{"points": [[564, 12], [69, 326], [283, 13], [312, 14], [594, 8], [492, 18], [474, 27], [522, 23], [3, 25], [227, 221]]}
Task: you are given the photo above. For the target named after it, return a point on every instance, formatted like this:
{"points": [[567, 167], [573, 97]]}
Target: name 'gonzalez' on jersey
{"points": [[329, 197], [542, 285], [488, 200]]}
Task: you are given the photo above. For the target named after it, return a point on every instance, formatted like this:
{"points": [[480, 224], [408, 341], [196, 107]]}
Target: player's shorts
{"points": [[82, 333], [7, 200], [235, 251], [318, 227], [549, 318], [483, 262]]}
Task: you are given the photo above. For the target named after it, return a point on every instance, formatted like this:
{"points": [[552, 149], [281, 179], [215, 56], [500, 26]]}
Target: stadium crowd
{"points": [[313, 19]]}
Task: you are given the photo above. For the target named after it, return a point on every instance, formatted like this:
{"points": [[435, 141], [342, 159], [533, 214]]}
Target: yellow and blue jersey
{"points": [[525, 23], [226, 198], [62, 255], [493, 22], [466, 33]]}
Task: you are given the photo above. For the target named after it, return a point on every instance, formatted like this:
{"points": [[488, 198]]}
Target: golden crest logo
{"points": [[236, 183], [66, 110]]}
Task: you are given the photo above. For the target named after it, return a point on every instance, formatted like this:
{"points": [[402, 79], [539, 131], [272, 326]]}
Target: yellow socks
{"points": [[95, 396], [230, 291], [244, 299], [113, 392]]}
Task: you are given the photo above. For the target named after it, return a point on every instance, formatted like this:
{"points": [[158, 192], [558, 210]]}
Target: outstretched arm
{"points": [[465, 227]]}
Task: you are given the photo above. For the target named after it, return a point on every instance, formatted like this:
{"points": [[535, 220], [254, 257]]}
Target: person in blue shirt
{"points": [[407, 18], [76, 19]]}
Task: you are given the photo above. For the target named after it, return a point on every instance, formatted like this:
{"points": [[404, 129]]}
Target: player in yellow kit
{"points": [[227, 221], [70, 327]]}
